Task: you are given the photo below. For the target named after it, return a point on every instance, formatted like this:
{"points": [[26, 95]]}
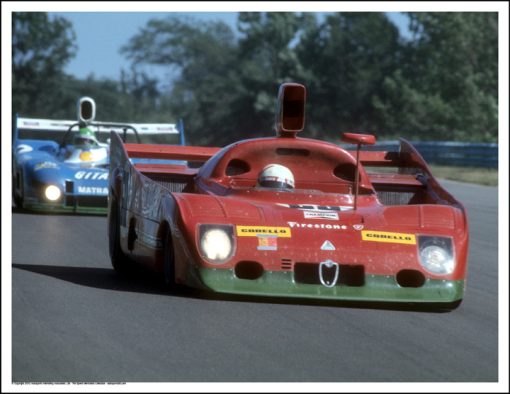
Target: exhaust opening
{"points": [[410, 278], [250, 270]]}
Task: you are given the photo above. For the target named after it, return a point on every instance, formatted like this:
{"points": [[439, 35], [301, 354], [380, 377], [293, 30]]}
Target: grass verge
{"points": [[481, 176]]}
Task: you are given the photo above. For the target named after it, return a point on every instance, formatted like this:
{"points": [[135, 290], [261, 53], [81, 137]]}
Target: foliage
{"points": [[40, 49], [440, 83], [447, 88]]}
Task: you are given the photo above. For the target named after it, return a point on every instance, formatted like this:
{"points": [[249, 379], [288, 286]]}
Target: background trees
{"points": [[361, 74], [40, 50]]}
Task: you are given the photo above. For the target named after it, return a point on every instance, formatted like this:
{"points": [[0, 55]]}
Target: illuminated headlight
{"points": [[436, 254], [216, 242], [52, 193]]}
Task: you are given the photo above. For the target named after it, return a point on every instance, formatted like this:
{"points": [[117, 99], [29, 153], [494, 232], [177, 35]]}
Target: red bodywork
{"points": [[367, 233]]}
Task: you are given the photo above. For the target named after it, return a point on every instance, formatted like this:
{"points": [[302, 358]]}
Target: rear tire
{"points": [[120, 262]]}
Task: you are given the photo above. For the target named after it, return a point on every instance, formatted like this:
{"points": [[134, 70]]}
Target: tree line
{"points": [[438, 83]]}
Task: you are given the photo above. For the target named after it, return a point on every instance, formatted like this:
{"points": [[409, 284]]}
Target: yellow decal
{"points": [[253, 231], [86, 156], [383, 236]]}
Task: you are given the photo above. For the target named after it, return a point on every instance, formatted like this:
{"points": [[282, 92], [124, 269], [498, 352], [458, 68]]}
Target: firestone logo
{"points": [[318, 226]]}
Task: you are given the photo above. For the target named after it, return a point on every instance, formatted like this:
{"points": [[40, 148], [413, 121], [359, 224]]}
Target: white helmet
{"points": [[275, 175]]}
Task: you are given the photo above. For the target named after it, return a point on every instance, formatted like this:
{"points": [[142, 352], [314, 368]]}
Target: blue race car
{"points": [[62, 165]]}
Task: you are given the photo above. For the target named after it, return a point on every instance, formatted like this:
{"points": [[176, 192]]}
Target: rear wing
{"points": [[37, 125], [404, 169], [168, 165]]}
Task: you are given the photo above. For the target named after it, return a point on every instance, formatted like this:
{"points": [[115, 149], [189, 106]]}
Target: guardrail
{"points": [[460, 154]]}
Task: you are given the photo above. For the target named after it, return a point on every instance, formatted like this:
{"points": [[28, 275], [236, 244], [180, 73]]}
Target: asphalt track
{"points": [[75, 320]]}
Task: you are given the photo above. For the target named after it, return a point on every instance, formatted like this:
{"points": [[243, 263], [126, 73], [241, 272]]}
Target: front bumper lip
{"points": [[60, 208], [376, 288]]}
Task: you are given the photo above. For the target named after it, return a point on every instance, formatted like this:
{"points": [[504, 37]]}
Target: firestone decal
{"points": [[383, 236], [255, 231], [318, 226], [91, 175]]}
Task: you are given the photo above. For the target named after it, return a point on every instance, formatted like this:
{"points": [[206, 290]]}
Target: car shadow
{"points": [[19, 210], [138, 280], [141, 280]]}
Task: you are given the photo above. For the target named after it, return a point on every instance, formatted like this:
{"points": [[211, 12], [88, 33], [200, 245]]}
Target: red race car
{"points": [[290, 217]]}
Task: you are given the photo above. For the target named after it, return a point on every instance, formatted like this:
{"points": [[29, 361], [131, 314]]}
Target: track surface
{"points": [[75, 319]]}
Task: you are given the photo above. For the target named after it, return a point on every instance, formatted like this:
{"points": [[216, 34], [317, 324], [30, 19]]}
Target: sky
{"points": [[100, 35]]}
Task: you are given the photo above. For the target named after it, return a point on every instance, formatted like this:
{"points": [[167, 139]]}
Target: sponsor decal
{"points": [[315, 207], [357, 227], [92, 190], [255, 231], [383, 236], [267, 242], [45, 164], [320, 215], [327, 245], [23, 148], [94, 175], [318, 226], [86, 156]]}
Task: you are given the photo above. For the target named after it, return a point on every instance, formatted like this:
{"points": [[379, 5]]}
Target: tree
{"points": [[347, 57], [40, 50], [205, 92], [225, 85], [447, 85]]}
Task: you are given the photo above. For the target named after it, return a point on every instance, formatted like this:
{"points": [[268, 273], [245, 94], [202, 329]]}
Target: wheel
{"points": [[17, 197], [120, 262], [168, 260]]}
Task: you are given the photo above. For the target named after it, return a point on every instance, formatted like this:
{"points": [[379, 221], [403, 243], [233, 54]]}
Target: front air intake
{"points": [[250, 270], [410, 278], [348, 275]]}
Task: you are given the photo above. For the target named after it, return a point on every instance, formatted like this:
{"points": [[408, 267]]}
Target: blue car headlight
{"points": [[436, 254], [52, 193]]}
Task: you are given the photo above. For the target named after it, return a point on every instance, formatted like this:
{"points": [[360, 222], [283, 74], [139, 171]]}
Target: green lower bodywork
{"points": [[376, 288], [50, 208]]}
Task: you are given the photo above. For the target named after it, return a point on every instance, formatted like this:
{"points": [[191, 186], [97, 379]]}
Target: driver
{"points": [[86, 139], [86, 148], [276, 176]]}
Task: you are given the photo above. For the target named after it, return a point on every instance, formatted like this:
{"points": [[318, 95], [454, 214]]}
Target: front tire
{"points": [[120, 261], [18, 198], [168, 261]]}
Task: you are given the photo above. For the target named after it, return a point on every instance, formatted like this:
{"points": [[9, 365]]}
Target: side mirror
{"points": [[358, 139], [86, 110], [290, 109]]}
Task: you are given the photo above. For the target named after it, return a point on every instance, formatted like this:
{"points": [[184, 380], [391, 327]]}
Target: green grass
{"points": [[481, 176]]}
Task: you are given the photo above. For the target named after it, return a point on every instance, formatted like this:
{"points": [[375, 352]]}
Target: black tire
{"points": [[120, 262], [168, 261], [18, 198]]}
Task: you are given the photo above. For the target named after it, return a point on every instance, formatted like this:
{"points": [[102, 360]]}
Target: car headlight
{"points": [[436, 254], [52, 193], [216, 242]]}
